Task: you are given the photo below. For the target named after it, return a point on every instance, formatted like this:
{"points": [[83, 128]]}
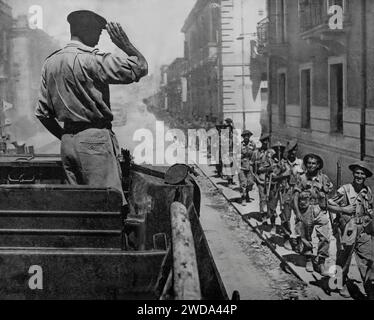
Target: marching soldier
{"points": [[319, 186], [353, 205], [278, 183], [261, 166], [246, 178], [296, 170]]}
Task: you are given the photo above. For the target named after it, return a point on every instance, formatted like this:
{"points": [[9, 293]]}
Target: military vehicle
{"points": [[59, 241]]}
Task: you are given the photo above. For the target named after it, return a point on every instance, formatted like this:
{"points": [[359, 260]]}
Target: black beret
{"points": [[86, 18]]}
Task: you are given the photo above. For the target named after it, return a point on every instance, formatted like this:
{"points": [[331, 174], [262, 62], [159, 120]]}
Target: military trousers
{"points": [[246, 181], [262, 196], [91, 157], [363, 250], [314, 219]]}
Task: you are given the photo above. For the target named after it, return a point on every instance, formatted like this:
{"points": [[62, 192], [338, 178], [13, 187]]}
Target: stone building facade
{"points": [[217, 50], [321, 75], [6, 92]]}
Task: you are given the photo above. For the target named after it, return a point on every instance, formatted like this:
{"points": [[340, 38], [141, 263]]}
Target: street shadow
{"points": [[355, 291], [322, 283], [253, 215], [236, 200], [264, 228], [277, 240], [223, 184], [296, 259]]}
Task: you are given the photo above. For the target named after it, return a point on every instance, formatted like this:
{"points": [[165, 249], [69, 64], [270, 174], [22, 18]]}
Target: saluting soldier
{"points": [[319, 186], [261, 166], [296, 170], [75, 91], [246, 178], [353, 205], [278, 183]]}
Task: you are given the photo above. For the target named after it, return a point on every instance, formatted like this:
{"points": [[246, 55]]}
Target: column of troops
{"points": [[299, 186]]}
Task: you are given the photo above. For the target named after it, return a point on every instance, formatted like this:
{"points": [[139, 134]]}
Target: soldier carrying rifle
{"points": [[353, 205], [315, 216], [296, 170], [278, 183], [246, 178], [261, 166]]}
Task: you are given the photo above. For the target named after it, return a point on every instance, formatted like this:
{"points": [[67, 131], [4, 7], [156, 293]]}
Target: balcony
{"points": [[205, 55], [314, 21]]}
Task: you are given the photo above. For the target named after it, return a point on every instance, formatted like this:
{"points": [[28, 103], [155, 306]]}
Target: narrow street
{"points": [[233, 231], [248, 259], [244, 262]]}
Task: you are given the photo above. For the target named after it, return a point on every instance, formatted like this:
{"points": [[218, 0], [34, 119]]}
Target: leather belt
{"points": [[76, 127]]}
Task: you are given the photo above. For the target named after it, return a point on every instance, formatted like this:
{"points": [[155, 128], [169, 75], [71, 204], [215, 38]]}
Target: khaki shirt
{"points": [[319, 187], [346, 195], [247, 152], [297, 170], [75, 83], [261, 159]]}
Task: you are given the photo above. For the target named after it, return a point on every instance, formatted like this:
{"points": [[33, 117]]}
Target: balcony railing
{"points": [[263, 32], [312, 14]]}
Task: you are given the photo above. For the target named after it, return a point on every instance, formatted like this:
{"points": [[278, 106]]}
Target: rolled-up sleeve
{"points": [[113, 69], [43, 109]]}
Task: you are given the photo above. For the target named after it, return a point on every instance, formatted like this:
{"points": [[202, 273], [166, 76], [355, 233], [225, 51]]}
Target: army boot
{"points": [[309, 265], [322, 270], [273, 224], [243, 201], [247, 197], [369, 289], [230, 181], [287, 243], [343, 292], [295, 244]]}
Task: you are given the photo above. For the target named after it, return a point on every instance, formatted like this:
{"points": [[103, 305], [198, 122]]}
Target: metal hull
{"points": [[85, 244]]}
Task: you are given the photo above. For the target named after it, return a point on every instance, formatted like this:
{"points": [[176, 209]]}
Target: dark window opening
{"points": [[337, 3], [306, 94], [336, 98], [282, 98], [283, 20]]}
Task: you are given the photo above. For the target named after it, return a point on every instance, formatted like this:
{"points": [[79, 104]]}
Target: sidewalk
{"points": [[293, 260]]}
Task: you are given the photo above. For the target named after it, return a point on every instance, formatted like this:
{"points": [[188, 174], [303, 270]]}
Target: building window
{"points": [[306, 97], [282, 92], [4, 45], [336, 93], [281, 21], [331, 3]]}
